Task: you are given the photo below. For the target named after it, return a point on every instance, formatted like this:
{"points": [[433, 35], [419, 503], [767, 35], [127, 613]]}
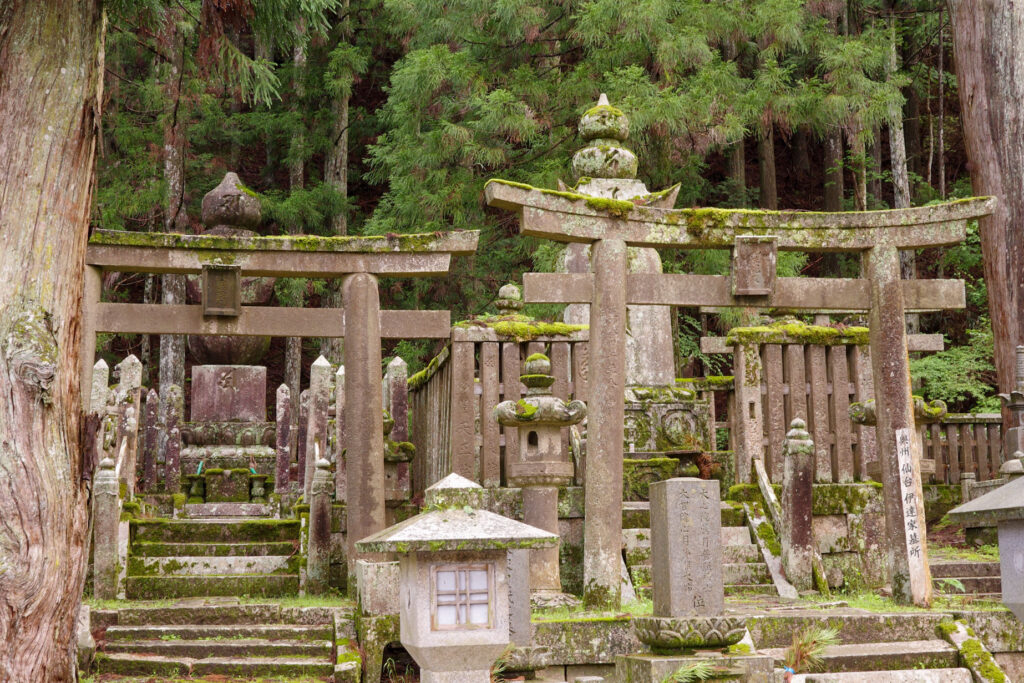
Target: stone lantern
{"points": [[541, 469], [453, 591], [1004, 508]]}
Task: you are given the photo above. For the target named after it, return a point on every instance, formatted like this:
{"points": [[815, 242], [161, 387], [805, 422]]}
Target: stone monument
{"points": [[540, 469]]}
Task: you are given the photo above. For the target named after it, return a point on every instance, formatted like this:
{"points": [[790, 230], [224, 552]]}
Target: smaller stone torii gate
{"points": [[222, 262], [754, 237]]}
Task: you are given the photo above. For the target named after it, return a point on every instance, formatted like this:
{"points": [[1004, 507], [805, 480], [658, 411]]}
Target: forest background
{"points": [[388, 116]]}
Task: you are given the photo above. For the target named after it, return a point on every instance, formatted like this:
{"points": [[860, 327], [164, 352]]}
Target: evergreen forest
{"points": [[389, 116]]}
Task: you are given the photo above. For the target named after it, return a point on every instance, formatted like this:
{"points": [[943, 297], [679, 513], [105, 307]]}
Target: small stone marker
{"points": [[229, 393], [797, 481], [686, 548]]}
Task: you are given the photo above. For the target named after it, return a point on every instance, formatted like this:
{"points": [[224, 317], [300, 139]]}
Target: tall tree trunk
{"points": [[769, 193], [942, 110], [336, 174], [900, 176], [858, 164], [875, 180], [833, 170], [51, 66], [801, 153], [987, 35], [172, 346], [737, 158], [296, 180], [912, 130]]}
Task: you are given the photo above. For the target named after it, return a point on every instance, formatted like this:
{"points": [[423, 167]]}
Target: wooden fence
{"points": [[964, 443], [451, 401]]}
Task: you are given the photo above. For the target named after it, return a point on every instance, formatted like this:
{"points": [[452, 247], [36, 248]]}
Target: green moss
{"points": [[795, 332], [740, 649], [766, 532], [536, 356], [981, 662], [638, 475], [525, 410], [178, 501], [521, 328], [843, 499], [603, 110], [946, 627], [710, 383]]}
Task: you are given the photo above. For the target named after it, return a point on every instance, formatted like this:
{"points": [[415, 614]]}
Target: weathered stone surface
{"points": [[106, 513], [656, 669], [320, 373], [586, 641], [377, 585], [973, 654], [229, 393], [283, 444], [518, 578], [318, 562], [796, 529], [670, 635], [685, 545], [906, 654], [229, 204], [85, 643], [776, 630]]}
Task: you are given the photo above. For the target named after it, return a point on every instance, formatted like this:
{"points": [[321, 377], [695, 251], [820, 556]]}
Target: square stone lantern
{"points": [[1004, 508], [453, 590]]}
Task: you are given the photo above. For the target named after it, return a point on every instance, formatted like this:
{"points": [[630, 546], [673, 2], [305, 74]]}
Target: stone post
{"points": [[282, 443], [602, 536], [899, 444], [1013, 432], [339, 435], [398, 397], [299, 437], [173, 404], [106, 516], [128, 396], [797, 481], [151, 433], [318, 560], [100, 388], [316, 431], [363, 413]]}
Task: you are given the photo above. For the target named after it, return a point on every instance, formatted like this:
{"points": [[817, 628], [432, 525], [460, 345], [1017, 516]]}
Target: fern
{"points": [[805, 654]]}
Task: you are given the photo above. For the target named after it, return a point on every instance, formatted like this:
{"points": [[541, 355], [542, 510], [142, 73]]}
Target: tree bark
{"points": [[942, 110], [738, 173], [834, 170], [987, 35], [858, 165], [769, 193], [875, 181], [51, 84], [336, 173], [172, 346]]}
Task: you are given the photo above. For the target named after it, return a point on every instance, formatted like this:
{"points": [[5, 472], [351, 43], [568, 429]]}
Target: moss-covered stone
{"points": [[796, 332], [842, 499]]}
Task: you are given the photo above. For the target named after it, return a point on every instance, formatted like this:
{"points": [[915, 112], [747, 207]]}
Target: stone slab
{"points": [[914, 676], [201, 611], [212, 631], [686, 549], [207, 566], [645, 668], [229, 647], [776, 630], [877, 656], [221, 510], [597, 641], [377, 584], [229, 393]]}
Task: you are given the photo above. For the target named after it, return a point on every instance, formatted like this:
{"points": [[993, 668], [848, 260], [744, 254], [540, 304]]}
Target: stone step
{"points": [[901, 655], [146, 549], [215, 530], [229, 647], [958, 569], [254, 585], [637, 514], [203, 510], [738, 554], [213, 631], [856, 627], [913, 676], [205, 566], [735, 535], [194, 613], [972, 584], [132, 664], [638, 540]]}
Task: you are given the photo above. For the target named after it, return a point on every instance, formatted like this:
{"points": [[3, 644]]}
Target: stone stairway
{"points": [[874, 647], [213, 556], [221, 642], [744, 570], [978, 578]]}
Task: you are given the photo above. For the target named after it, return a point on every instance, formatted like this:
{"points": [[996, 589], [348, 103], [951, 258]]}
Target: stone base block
{"points": [[670, 635], [655, 669]]}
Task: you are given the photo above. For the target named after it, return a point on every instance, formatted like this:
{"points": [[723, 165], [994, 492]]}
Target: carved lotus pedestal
{"points": [[677, 642], [680, 635]]}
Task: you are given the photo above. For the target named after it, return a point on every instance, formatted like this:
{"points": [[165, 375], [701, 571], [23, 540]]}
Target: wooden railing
{"points": [[964, 442], [452, 400]]}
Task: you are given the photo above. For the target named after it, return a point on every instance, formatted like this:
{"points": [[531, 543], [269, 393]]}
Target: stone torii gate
{"points": [[223, 261], [612, 225]]}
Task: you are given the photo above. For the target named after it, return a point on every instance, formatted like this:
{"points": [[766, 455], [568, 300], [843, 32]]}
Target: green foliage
{"points": [[805, 654], [962, 376], [698, 671]]}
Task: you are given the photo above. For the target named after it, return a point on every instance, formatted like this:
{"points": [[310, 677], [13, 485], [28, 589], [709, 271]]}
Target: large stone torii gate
{"points": [[223, 261], [754, 237]]}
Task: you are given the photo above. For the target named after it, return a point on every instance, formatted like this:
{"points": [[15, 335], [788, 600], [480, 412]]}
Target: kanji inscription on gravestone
{"points": [[908, 494], [686, 544], [222, 290]]}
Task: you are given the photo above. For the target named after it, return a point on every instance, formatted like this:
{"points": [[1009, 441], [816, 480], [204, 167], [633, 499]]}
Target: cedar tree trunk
{"points": [[987, 39], [50, 88]]}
